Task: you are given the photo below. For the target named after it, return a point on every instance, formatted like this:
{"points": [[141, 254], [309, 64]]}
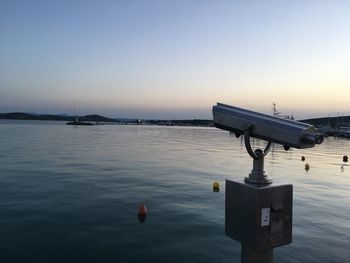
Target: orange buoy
{"points": [[302, 158], [307, 167], [216, 187], [142, 213], [345, 159]]}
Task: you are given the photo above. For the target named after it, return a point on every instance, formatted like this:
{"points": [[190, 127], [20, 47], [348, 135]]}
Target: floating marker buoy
{"points": [[142, 213], [216, 187], [302, 158], [345, 159], [307, 167], [286, 148]]}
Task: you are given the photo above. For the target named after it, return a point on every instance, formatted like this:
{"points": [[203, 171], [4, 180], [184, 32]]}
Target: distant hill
{"points": [[30, 116], [49, 117], [96, 118]]}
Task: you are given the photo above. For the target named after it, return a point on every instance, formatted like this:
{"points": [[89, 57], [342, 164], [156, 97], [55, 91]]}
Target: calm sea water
{"points": [[71, 194]]}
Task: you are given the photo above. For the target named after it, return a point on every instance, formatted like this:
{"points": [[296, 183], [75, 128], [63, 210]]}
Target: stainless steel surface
{"points": [[259, 217], [273, 129]]}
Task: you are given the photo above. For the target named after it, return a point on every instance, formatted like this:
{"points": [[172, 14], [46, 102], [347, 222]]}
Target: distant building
{"points": [[344, 129]]}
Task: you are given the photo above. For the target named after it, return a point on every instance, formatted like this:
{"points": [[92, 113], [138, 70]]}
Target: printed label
{"points": [[265, 216]]}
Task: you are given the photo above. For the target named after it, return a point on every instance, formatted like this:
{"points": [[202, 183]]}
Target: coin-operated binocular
{"points": [[258, 213]]}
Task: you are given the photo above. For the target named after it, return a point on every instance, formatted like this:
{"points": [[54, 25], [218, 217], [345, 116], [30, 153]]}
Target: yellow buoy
{"points": [[216, 187], [307, 167]]}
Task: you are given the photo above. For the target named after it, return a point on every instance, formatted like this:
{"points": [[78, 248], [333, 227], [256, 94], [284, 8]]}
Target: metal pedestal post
{"points": [[249, 255], [258, 214], [257, 176]]}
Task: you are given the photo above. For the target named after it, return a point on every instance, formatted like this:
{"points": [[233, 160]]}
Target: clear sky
{"points": [[174, 59]]}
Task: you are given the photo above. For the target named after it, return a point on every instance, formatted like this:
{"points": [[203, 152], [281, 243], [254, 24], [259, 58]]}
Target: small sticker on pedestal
{"points": [[265, 216]]}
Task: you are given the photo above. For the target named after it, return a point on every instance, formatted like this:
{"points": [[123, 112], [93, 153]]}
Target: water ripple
{"points": [[71, 194]]}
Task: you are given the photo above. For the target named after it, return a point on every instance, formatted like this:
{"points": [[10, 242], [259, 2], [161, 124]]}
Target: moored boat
{"points": [[80, 123]]}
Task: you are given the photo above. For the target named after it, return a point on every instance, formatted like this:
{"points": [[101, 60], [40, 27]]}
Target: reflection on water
{"points": [[70, 195]]}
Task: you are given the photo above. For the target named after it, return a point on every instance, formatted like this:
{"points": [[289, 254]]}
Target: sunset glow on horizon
{"points": [[175, 59]]}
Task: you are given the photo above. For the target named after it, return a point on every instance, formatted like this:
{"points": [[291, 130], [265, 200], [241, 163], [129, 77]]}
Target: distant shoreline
{"points": [[98, 119], [317, 122]]}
